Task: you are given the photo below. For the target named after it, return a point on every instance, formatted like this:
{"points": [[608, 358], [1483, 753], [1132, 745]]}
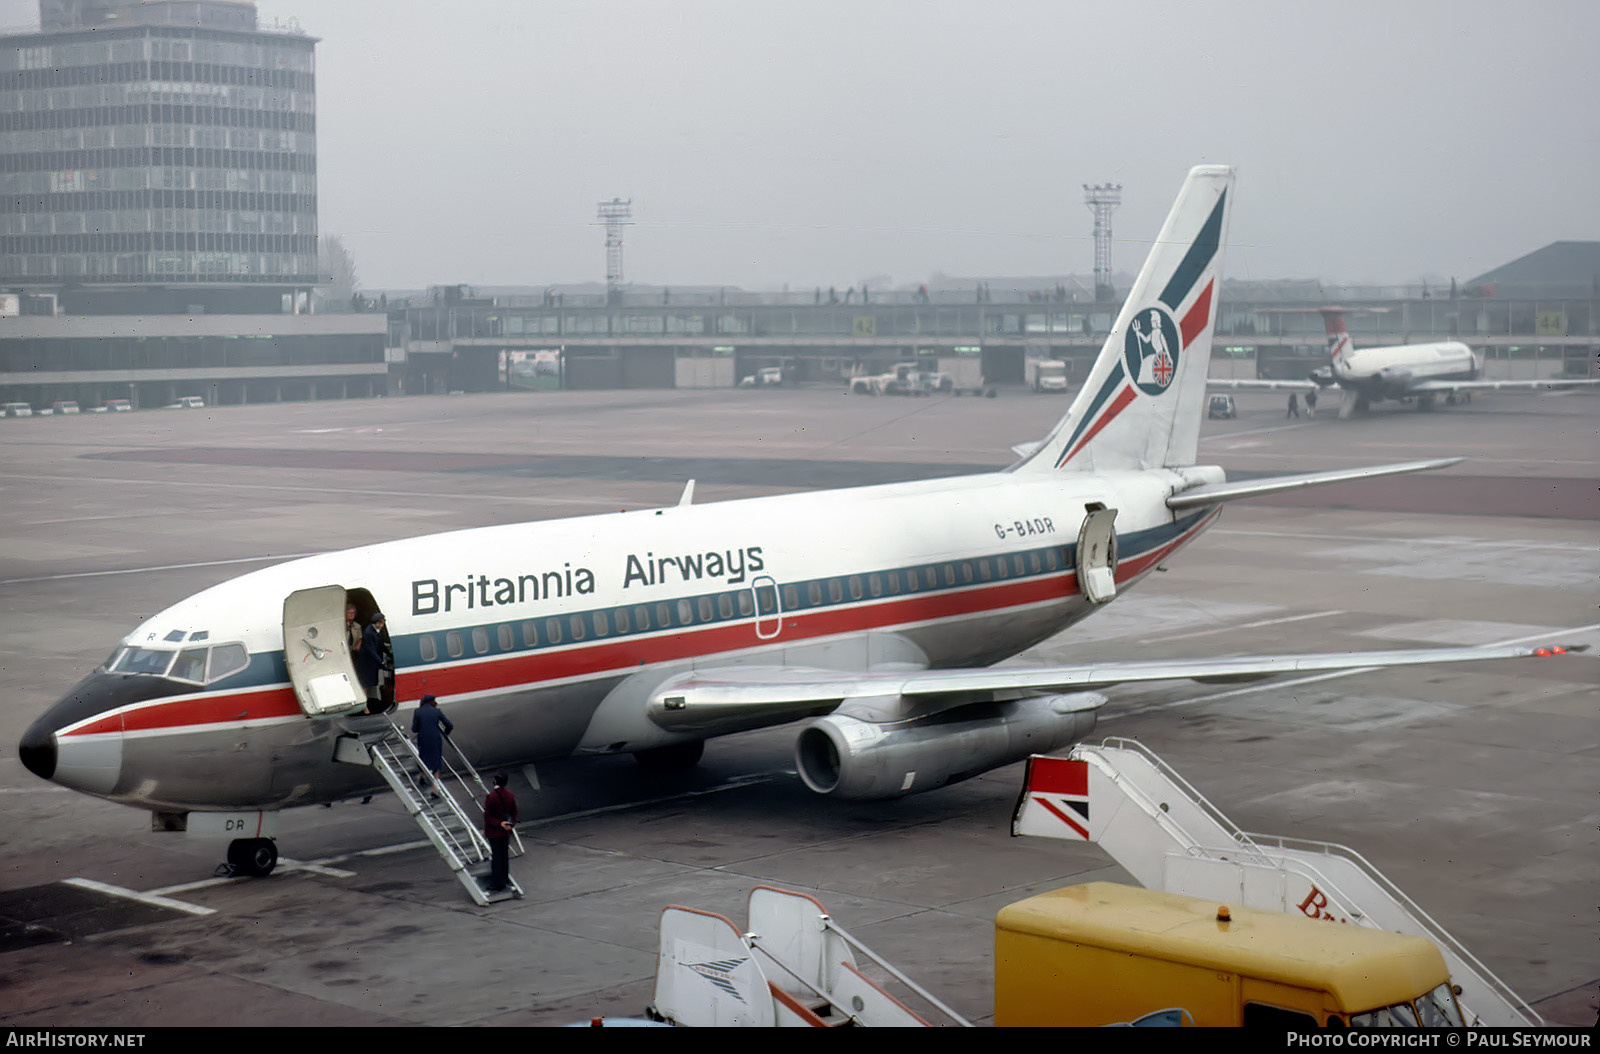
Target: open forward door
{"points": [[317, 652], [1097, 554]]}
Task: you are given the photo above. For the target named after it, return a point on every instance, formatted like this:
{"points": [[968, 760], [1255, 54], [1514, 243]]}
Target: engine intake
{"points": [[845, 757]]}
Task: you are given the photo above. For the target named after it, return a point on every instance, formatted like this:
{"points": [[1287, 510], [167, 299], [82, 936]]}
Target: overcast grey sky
{"points": [[766, 142]]}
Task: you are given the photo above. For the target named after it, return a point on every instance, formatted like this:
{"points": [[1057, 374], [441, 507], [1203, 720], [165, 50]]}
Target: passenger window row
{"points": [[739, 603]]}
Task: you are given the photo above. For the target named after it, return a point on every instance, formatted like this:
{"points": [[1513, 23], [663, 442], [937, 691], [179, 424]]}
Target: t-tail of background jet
{"points": [[1338, 338], [1142, 402]]}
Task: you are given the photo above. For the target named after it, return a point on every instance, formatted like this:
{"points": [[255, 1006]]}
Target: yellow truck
{"points": [[1102, 954]]}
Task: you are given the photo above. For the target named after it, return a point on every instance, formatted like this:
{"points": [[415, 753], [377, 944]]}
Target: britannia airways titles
{"points": [[430, 596]]}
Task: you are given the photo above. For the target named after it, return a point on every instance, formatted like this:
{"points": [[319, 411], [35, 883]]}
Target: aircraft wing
{"points": [[1548, 383], [713, 701], [1231, 385]]}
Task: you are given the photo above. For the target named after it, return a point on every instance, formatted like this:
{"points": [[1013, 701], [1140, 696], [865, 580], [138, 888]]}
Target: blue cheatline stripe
{"points": [[1113, 382], [1196, 259]]}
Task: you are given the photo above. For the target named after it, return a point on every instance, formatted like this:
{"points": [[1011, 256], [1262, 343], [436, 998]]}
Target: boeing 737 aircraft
{"points": [[1420, 372], [873, 614]]}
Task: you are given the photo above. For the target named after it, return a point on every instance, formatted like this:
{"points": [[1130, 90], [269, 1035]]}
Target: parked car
{"points": [[193, 402], [15, 410], [116, 406], [1221, 406], [64, 406]]}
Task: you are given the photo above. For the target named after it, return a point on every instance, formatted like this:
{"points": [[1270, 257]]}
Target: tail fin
{"points": [[1338, 336], [1142, 403]]}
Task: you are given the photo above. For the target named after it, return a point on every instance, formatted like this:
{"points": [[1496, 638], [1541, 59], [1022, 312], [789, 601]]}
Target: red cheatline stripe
{"points": [[1199, 314], [1059, 776], [1064, 818], [532, 668], [1118, 404], [260, 705]]}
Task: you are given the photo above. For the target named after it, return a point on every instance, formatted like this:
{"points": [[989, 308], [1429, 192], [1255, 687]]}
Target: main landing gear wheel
{"points": [[676, 758], [255, 857]]}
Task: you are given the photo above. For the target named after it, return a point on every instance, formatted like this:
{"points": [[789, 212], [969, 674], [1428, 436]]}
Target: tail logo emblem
{"points": [[1150, 349]]}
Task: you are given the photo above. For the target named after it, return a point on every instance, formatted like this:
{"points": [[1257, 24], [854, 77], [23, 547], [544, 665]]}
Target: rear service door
{"points": [[317, 653], [1097, 555]]}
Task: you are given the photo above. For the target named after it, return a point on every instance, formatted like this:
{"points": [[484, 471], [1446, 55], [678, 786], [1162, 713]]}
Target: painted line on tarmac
{"points": [[157, 567], [1246, 625], [125, 481], [153, 899]]}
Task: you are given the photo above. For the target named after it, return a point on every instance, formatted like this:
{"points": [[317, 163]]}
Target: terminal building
{"points": [[158, 212], [1538, 316]]}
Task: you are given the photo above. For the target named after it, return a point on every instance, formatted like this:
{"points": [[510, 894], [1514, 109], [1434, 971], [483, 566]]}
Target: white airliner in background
{"points": [[1419, 372], [873, 614]]}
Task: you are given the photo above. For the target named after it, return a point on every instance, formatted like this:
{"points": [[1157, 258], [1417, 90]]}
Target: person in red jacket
{"points": [[499, 817]]}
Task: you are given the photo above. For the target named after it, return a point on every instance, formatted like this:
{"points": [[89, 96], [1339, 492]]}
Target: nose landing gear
{"points": [[253, 857]]}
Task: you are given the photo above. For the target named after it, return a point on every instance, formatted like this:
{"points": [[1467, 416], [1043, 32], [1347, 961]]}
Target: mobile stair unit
{"points": [[1164, 833], [457, 835], [794, 967]]}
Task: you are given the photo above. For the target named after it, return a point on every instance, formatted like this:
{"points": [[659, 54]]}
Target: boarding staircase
{"points": [[1165, 834], [454, 832], [793, 967]]}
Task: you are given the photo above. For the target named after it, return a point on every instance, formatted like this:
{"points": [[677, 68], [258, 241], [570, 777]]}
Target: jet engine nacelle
{"points": [[1394, 381], [846, 757]]}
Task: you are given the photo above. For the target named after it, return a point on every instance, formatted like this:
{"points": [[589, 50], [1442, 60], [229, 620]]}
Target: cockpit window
{"points": [[191, 665], [197, 665], [144, 660], [226, 659]]}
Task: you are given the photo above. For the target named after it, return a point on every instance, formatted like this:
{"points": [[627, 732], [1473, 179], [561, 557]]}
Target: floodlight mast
{"points": [[1102, 200]]}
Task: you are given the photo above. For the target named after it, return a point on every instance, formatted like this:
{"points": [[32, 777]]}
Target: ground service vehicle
{"points": [[117, 406], [1102, 954], [64, 406], [15, 410], [765, 377], [1221, 407], [1048, 375]]}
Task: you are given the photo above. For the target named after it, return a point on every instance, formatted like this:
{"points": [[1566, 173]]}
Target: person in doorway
{"points": [[430, 726], [1294, 405], [371, 660], [499, 817], [352, 629], [367, 655], [385, 701]]}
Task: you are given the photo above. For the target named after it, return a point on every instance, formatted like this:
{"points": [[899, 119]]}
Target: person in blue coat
{"points": [[430, 726]]}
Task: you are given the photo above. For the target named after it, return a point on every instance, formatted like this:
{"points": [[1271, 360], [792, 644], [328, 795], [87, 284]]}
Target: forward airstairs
{"points": [[455, 831], [1164, 833], [793, 967]]}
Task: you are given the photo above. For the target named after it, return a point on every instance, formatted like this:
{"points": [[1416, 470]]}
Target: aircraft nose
{"points": [[37, 750], [89, 756]]}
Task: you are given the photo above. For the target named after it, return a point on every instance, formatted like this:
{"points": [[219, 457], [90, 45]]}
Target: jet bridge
{"points": [[1164, 833]]}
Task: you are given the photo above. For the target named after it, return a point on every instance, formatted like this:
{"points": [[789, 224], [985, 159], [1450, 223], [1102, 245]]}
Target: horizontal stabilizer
{"points": [[1214, 493]]}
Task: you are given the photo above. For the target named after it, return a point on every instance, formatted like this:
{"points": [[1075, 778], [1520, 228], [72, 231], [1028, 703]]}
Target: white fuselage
{"points": [[1391, 372], [524, 631]]}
